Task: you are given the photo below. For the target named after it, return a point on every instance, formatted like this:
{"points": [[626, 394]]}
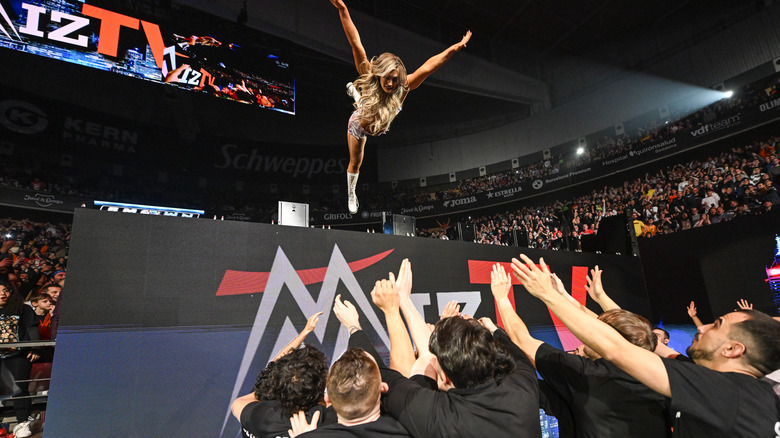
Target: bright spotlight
{"points": [[728, 94], [580, 151]]}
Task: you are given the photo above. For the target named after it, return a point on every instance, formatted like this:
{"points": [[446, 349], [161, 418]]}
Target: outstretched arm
{"points": [[558, 285], [692, 312], [358, 52], [643, 365], [417, 327], [385, 296], [295, 343], [434, 63], [596, 290], [500, 285]]}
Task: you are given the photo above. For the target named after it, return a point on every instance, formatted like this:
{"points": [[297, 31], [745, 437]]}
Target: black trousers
{"points": [[19, 366]]}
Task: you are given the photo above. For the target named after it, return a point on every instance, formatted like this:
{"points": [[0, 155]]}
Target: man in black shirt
{"points": [[493, 396], [293, 381], [354, 388], [719, 395], [601, 399]]}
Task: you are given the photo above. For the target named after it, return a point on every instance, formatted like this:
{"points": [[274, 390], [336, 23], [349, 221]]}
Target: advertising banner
{"points": [[165, 323]]}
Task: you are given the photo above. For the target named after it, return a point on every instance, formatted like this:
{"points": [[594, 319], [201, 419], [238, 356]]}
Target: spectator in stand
{"points": [[17, 324]]}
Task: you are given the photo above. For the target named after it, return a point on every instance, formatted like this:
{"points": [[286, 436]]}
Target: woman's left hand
{"points": [[465, 40]]}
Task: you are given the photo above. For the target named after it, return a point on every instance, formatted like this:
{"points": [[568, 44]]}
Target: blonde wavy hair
{"points": [[378, 108]]}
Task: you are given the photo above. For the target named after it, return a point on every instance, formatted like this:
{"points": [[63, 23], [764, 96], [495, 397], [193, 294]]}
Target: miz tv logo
{"points": [[74, 31], [284, 275]]}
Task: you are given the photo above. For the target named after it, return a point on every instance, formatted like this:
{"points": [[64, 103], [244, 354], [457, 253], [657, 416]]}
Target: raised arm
{"points": [[693, 313], [295, 343], [643, 365], [358, 52], [434, 63], [385, 296], [500, 285], [417, 327], [744, 304], [596, 290], [558, 285]]}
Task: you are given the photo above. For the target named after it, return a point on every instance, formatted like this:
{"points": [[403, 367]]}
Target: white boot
{"points": [[352, 200], [353, 92]]}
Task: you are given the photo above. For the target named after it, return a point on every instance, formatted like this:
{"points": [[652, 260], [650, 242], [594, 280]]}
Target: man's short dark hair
{"points": [[296, 380], [635, 328], [45, 288], [354, 384], [467, 352], [666, 334], [760, 334]]}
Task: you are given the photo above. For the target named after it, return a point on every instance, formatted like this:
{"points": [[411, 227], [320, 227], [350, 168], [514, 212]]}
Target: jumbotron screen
{"points": [[178, 46]]}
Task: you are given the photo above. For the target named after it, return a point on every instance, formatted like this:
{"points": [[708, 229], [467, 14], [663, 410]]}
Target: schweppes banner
{"points": [[160, 310]]}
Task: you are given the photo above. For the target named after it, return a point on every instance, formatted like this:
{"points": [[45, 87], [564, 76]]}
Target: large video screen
{"points": [[177, 46]]}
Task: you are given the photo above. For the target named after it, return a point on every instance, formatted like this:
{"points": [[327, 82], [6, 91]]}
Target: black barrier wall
{"points": [[714, 266], [166, 320]]}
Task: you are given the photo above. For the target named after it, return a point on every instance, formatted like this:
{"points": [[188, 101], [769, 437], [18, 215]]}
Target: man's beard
{"points": [[697, 354]]}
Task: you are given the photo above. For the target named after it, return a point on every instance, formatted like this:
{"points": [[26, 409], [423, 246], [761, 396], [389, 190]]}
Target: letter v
{"points": [[154, 37]]}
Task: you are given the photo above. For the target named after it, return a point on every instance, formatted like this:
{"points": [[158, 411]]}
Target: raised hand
{"points": [[347, 314], [311, 323], [339, 4], [744, 304], [300, 425], [404, 280], [488, 324], [451, 309], [692, 310], [557, 284], [385, 295], [536, 279], [500, 282], [463, 41], [594, 287]]}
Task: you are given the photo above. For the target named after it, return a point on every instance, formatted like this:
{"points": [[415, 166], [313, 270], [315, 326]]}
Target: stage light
{"points": [[727, 94], [580, 151]]}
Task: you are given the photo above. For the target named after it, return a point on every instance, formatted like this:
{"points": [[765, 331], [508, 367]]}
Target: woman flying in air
{"points": [[379, 93]]}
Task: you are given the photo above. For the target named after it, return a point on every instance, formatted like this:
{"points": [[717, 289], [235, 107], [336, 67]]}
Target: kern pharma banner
{"points": [[180, 47], [167, 321]]}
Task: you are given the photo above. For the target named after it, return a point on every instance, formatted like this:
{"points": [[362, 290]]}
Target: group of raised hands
{"points": [[392, 296], [742, 304]]}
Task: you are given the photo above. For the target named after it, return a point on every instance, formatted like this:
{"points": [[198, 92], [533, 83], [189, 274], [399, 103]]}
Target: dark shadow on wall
{"points": [[713, 266]]}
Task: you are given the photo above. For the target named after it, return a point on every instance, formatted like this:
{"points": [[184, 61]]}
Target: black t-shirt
{"points": [[267, 419], [17, 328], [708, 403], [604, 401], [506, 407], [385, 426]]}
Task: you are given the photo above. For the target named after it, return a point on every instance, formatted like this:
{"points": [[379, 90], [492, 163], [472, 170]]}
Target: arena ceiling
{"points": [[543, 28], [527, 36]]}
